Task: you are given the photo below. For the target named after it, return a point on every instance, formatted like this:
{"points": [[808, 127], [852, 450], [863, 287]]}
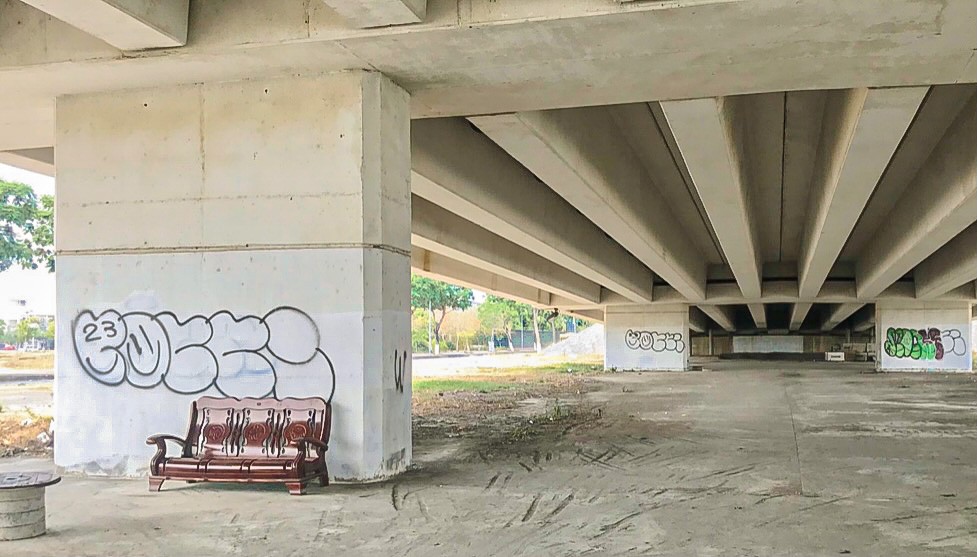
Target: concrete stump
{"points": [[22, 513]]}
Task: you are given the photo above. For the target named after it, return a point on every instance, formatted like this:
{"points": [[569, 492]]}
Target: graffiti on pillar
{"points": [[248, 356], [654, 340], [400, 369], [924, 344]]}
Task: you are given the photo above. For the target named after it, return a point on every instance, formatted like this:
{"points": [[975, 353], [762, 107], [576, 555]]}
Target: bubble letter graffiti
{"points": [[238, 356]]}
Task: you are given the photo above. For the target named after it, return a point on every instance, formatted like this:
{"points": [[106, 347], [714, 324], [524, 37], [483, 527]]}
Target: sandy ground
{"points": [[747, 458]]}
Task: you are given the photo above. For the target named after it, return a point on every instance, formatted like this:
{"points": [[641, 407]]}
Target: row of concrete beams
{"points": [[582, 155], [145, 24], [929, 226], [461, 170]]}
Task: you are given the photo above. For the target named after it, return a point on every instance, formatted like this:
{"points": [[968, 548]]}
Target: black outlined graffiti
{"points": [[275, 355], [653, 340], [400, 368]]}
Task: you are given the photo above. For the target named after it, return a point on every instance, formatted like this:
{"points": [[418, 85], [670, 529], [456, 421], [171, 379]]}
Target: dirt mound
{"points": [[587, 342]]}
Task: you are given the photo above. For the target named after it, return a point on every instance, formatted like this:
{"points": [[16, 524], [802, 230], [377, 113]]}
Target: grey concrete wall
{"points": [[768, 343], [234, 239], [642, 337]]}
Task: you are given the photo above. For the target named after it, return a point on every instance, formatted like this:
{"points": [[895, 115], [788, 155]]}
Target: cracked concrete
{"points": [[694, 463]]}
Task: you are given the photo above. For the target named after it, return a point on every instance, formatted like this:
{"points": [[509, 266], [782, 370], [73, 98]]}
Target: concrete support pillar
{"points": [[642, 337], [923, 336], [244, 239]]}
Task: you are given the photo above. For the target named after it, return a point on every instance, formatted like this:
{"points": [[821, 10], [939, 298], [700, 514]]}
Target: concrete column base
{"points": [[923, 336], [647, 338]]}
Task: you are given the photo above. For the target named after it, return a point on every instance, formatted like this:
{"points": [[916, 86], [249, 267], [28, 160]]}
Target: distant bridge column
{"points": [[642, 337], [236, 239], [923, 336]]}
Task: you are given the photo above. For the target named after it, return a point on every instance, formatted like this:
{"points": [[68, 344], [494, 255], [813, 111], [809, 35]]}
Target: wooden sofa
{"points": [[250, 440]]}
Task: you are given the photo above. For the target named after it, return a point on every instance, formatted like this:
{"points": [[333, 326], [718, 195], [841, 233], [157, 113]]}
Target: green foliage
{"points": [[499, 314], [439, 298], [6, 337], [28, 328], [26, 227], [432, 294]]}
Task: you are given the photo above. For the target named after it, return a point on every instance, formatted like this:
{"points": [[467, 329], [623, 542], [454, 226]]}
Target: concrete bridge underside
{"points": [[782, 171], [775, 166]]}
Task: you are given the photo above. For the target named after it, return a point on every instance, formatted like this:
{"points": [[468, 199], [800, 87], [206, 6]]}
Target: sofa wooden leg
{"points": [[295, 488], [155, 484], [324, 478]]}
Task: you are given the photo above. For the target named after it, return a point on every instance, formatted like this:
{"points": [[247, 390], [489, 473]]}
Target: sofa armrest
{"points": [[160, 442], [301, 443]]}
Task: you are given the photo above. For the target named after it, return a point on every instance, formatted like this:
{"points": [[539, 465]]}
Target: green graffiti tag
{"points": [[916, 344]]}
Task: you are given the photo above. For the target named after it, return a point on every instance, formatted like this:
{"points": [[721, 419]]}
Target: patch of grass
{"points": [[27, 360], [458, 385], [572, 367]]}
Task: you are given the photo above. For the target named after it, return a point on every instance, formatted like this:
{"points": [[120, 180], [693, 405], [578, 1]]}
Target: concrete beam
{"points": [[839, 313], [595, 315], [463, 171], [863, 319], [441, 231], [939, 204], [39, 160], [953, 265], [797, 314], [644, 127], [722, 315], [698, 320], [583, 156], [709, 135], [434, 265], [759, 313], [379, 13], [124, 24], [861, 130]]}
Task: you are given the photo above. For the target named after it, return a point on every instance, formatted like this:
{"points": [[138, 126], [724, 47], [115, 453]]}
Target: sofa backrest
{"points": [[256, 427]]}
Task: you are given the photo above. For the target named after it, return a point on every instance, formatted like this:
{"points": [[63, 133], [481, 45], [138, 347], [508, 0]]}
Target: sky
{"points": [[36, 287]]}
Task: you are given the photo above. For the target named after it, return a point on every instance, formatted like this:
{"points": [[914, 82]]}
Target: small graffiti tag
{"points": [[653, 340], [237, 356], [400, 368], [924, 344]]}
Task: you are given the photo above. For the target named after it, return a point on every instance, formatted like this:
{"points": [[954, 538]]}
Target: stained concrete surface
{"points": [[743, 458]]}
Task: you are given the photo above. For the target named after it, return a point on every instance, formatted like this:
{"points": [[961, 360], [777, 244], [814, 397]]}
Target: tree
{"points": [[26, 228], [550, 317], [438, 298], [27, 328], [499, 314]]}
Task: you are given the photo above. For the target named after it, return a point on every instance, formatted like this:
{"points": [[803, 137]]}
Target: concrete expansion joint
{"points": [[289, 196], [231, 248]]}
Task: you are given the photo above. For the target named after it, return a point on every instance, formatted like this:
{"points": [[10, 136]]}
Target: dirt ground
{"points": [[742, 458]]}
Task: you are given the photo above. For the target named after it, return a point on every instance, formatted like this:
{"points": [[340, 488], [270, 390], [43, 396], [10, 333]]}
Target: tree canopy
{"points": [[26, 227], [439, 298]]}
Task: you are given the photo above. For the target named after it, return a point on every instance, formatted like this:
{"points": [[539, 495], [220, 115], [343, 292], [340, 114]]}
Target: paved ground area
{"points": [[740, 459]]}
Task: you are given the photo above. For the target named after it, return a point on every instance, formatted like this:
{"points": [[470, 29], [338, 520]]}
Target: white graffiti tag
{"points": [[654, 340]]}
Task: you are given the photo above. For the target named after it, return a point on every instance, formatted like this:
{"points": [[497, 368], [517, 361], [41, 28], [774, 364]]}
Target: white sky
{"points": [[37, 287]]}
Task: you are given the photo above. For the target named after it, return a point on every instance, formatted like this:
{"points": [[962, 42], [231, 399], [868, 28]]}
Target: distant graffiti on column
{"points": [[924, 344], [653, 340], [247, 356], [400, 368]]}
